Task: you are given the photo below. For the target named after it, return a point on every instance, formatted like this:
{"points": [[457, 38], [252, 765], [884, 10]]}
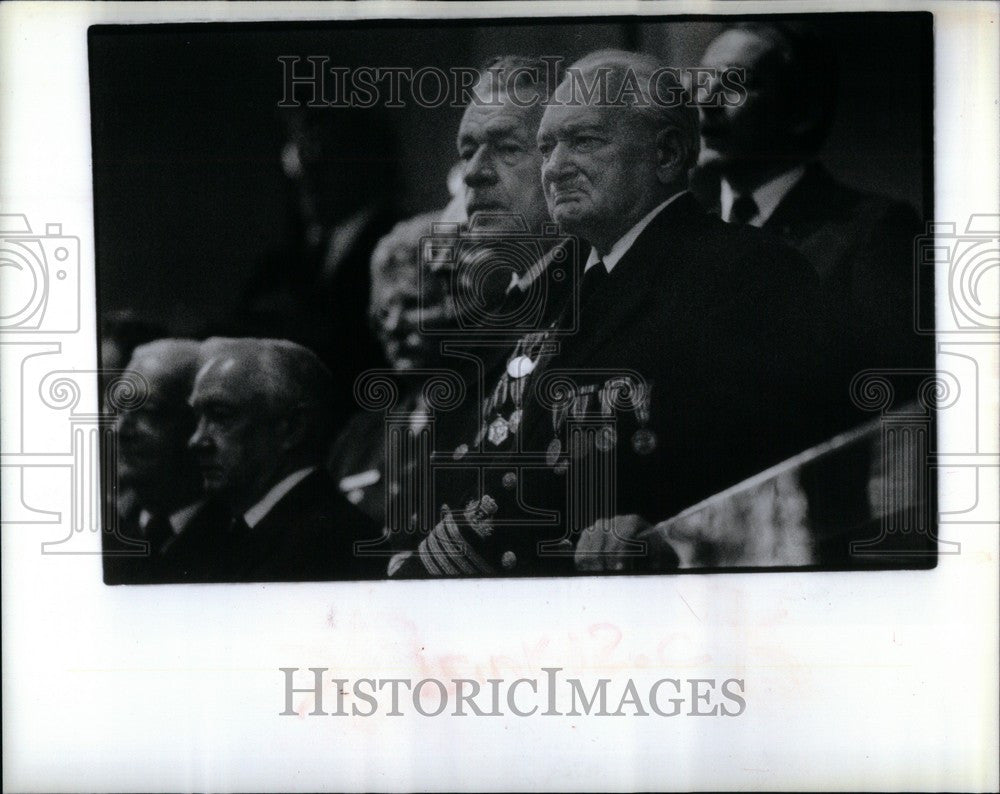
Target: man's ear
{"points": [[671, 160]]}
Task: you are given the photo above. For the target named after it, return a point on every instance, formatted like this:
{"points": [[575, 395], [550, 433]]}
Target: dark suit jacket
{"points": [[719, 326], [862, 248], [308, 535], [191, 556]]}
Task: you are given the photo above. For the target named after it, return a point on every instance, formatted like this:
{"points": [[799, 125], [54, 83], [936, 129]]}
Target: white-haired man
{"points": [[261, 436], [690, 368]]}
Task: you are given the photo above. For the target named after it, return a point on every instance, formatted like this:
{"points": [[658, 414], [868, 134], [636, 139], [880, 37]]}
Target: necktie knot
{"points": [[744, 209]]}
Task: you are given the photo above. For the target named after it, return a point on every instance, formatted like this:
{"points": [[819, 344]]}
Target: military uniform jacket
{"points": [[694, 367]]}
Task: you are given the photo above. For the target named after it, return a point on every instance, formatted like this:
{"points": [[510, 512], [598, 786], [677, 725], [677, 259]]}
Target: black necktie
{"points": [[744, 208], [594, 281]]}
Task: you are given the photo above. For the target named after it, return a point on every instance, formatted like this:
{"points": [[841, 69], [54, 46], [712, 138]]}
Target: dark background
{"points": [[188, 188]]}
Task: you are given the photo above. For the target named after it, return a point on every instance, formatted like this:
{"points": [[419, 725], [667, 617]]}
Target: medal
{"points": [[514, 422], [644, 441], [490, 403], [604, 396], [497, 433], [520, 367], [640, 402], [502, 390], [614, 392], [553, 451], [581, 405], [559, 412]]}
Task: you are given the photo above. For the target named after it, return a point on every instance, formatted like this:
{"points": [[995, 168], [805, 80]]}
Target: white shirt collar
{"points": [[767, 197], [256, 514], [619, 249], [178, 520]]}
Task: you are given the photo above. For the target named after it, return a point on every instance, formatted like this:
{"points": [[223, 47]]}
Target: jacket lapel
{"points": [[636, 287], [804, 203]]}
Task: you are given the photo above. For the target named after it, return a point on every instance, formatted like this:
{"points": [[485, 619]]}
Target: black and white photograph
{"points": [[571, 296], [399, 395]]}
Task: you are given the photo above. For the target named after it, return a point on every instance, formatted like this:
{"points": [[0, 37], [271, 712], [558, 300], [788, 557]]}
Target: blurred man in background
{"points": [[407, 296], [341, 168], [764, 155], [164, 505]]}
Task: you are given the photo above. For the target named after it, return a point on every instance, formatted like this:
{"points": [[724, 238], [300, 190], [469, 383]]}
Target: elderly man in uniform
{"points": [[437, 270], [263, 429], [764, 151], [166, 508], [689, 369], [505, 261]]}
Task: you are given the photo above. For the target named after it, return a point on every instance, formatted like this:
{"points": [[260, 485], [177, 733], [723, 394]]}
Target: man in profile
{"points": [[262, 432], [764, 153], [497, 214], [691, 367], [503, 196], [160, 497]]}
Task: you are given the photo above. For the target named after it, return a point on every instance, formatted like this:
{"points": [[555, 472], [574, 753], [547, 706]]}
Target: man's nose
{"points": [[558, 165], [707, 91], [479, 170]]}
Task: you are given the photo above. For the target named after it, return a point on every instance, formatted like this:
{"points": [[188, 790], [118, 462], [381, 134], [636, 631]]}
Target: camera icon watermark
{"points": [[503, 278], [972, 262], [41, 276]]}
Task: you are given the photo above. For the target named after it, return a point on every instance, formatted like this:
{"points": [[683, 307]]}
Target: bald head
{"points": [[262, 413]]}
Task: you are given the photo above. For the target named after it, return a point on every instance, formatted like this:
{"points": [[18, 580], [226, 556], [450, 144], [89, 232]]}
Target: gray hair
{"points": [[639, 81], [510, 72], [179, 363], [289, 378]]}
